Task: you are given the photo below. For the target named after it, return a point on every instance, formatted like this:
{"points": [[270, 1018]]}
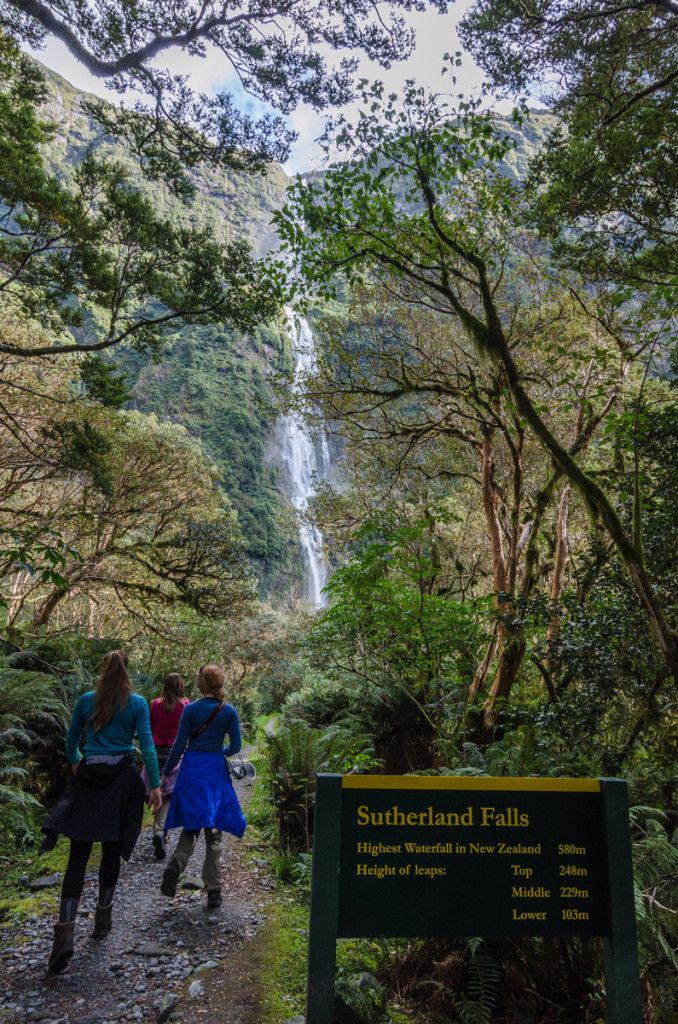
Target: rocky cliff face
{"points": [[233, 205]]}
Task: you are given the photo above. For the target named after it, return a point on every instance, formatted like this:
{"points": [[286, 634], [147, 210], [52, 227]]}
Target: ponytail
{"points": [[113, 689]]}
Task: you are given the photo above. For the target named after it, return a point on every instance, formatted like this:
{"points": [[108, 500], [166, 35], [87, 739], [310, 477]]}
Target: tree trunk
{"points": [[16, 596], [558, 581], [492, 516], [484, 667], [510, 660], [43, 613], [509, 643], [498, 560]]}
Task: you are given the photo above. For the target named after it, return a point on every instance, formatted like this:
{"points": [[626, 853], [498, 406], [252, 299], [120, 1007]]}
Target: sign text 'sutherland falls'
{"points": [[508, 817]]}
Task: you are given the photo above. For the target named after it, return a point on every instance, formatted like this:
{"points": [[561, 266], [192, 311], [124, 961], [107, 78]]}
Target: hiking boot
{"points": [[62, 950], [102, 920], [213, 899], [170, 879], [159, 847]]}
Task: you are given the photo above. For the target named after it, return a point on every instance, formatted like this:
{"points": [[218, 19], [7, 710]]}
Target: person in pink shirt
{"points": [[166, 712]]}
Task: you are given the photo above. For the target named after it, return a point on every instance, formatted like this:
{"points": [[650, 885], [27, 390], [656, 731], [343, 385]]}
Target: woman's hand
{"points": [[155, 799]]}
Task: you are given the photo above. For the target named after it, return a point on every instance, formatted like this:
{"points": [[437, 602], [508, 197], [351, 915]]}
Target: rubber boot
{"points": [[170, 879], [62, 950], [213, 899], [102, 920]]}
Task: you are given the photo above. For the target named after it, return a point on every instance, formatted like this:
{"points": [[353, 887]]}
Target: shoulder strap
{"points": [[210, 718]]}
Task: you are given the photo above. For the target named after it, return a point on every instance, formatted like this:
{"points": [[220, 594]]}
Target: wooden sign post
{"points": [[415, 856]]}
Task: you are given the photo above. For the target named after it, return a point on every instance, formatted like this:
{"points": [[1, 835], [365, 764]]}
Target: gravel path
{"points": [[163, 959]]}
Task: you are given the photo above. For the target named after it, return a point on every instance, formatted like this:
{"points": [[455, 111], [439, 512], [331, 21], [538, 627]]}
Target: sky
{"points": [[436, 35]]}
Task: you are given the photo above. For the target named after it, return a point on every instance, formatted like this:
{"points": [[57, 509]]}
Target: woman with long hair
{"points": [[165, 714], [203, 796], [105, 801]]}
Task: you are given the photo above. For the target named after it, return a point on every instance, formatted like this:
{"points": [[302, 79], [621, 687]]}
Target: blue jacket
{"points": [[117, 735], [212, 740]]}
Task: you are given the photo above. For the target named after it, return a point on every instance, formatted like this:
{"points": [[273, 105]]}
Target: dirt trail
{"points": [[164, 959]]}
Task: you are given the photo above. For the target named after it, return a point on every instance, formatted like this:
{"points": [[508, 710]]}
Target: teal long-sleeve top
{"points": [[116, 736], [212, 740]]}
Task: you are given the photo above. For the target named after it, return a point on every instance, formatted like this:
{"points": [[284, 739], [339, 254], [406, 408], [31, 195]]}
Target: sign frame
{"points": [[622, 970]]}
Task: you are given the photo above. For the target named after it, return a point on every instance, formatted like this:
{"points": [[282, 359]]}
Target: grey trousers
{"points": [[160, 815], [211, 869]]}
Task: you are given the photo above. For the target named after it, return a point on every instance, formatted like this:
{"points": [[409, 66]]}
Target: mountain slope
{"points": [[210, 379], [214, 379]]}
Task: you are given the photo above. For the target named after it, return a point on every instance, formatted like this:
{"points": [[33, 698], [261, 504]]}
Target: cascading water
{"points": [[306, 461]]}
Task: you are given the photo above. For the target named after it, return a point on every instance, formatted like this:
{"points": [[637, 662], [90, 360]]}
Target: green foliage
{"points": [[319, 703], [504, 757], [31, 706], [409, 159], [102, 384], [83, 448], [608, 169], [387, 596], [364, 997], [12, 778], [29, 701], [286, 672], [141, 505], [92, 255], [483, 987], [213, 382], [37, 550], [295, 754], [655, 857], [405, 649], [447, 242], [615, 707]]}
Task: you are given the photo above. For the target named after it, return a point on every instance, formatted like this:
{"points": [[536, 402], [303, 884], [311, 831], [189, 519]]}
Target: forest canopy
{"points": [[275, 51]]}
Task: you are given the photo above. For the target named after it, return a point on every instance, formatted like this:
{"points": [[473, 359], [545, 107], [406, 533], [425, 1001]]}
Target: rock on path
{"points": [[159, 957]]}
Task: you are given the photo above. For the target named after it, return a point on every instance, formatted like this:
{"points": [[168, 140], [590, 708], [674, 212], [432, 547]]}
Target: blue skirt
{"points": [[203, 796]]}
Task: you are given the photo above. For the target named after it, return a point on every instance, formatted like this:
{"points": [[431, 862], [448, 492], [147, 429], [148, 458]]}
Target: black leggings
{"points": [[74, 878]]}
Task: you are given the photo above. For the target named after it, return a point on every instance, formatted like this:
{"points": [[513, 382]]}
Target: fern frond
{"points": [[17, 796], [670, 953], [12, 771], [473, 756]]}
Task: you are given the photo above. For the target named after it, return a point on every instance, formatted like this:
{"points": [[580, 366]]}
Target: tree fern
{"points": [[505, 759], [296, 754], [12, 778], [655, 863], [500, 759], [483, 986], [28, 698], [474, 758], [654, 855], [670, 953]]}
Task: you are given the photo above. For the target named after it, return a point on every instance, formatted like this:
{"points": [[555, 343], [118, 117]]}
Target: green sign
{"points": [[415, 856], [473, 856]]}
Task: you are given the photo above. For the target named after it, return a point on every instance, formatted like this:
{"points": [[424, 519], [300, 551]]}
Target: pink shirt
{"points": [[164, 726]]}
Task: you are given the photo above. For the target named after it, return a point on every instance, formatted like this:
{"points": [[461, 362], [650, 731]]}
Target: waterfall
{"points": [[306, 461]]}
